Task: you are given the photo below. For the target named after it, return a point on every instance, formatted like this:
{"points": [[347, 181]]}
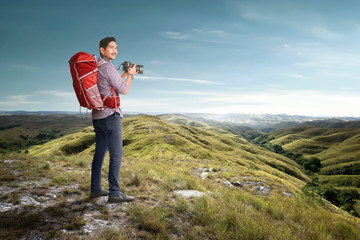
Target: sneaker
{"points": [[120, 198], [99, 194]]}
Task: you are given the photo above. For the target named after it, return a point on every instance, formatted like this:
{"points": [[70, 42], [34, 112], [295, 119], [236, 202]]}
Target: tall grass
{"points": [[152, 172], [224, 213]]}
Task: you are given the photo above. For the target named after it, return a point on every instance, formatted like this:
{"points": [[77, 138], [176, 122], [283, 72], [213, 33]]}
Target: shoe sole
{"points": [[96, 195], [120, 201]]}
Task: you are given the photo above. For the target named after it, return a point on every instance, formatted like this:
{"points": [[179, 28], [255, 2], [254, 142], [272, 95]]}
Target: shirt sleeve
{"points": [[115, 80]]}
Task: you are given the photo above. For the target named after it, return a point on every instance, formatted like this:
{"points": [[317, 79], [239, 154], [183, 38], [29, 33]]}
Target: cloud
{"points": [[211, 32], [158, 63], [180, 79], [292, 102], [153, 105], [203, 35], [18, 100], [47, 98], [297, 76], [56, 93], [23, 67], [301, 102], [323, 33], [328, 58], [322, 55], [255, 15], [175, 35]]}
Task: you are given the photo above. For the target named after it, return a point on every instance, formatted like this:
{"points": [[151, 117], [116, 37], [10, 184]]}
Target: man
{"points": [[107, 123]]}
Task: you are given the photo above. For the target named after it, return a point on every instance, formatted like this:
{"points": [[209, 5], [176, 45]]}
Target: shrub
{"points": [[342, 198], [353, 169]]}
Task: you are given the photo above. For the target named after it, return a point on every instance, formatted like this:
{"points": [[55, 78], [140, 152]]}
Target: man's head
{"points": [[108, 48]]}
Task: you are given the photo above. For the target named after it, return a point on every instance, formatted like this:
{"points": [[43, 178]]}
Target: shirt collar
{"points": [[105, 58]]}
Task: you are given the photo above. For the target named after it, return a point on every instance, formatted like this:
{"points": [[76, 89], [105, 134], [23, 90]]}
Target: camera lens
{"points": [[140, 69]]}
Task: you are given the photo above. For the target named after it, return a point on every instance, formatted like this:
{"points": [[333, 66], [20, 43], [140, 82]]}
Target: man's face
{"points": [[111, 51]]}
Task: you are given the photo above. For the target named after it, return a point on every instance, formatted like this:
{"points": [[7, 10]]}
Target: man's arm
{"points": [[129, 78], [128, 81], [116, 80]]}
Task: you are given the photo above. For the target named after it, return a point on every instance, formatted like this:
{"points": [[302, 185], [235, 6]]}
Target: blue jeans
{"points": [[108, 136]]}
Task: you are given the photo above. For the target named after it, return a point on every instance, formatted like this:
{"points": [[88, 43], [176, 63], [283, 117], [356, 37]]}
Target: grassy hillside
{"points": [[337, 145], [150, 137], [18, 132], [248, 192]]}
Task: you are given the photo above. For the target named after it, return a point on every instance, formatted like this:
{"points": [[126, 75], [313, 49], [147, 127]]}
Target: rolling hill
{"points": [[150, 137], [336, 144], [335, 147], [243, 191], [20, 131]]}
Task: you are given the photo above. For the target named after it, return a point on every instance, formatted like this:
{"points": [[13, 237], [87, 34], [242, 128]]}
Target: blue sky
{"points": [[204, 56]]}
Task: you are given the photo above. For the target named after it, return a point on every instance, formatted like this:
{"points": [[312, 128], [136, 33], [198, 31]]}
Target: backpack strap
{"points": [[114, 99], [107, 95]]}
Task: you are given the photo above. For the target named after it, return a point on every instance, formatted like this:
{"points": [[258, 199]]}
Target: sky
{"points": [[204, 56]]}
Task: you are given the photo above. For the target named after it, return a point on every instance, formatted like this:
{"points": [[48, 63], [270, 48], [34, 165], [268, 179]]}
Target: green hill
{"points": [[247, 191], [337, 145], [150, 137], [18, 132]]}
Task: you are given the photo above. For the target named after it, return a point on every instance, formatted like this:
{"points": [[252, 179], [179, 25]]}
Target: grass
{"points": [[340, 180], [224, 213], [336, 148], [154, 166], [149, 136], [18, 132], [331, 145], [17, 224]]}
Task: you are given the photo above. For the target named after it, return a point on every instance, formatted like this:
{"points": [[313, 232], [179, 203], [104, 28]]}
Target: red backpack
{"points": [[83, 68]]}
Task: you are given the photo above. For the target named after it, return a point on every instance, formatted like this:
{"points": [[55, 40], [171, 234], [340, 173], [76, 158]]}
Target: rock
{"points": [[247, 183], [34, 234], [228, 184], [189, 193], [290, 195], [253, 183], [262, 190], [237, 184], [11, 161], [203, 175], [246, 177], [25, 200], [50, 195], [202, 172], [6, 206], [92, 223]]}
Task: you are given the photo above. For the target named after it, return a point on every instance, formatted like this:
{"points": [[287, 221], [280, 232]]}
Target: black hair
{"points": [[105, 42]]}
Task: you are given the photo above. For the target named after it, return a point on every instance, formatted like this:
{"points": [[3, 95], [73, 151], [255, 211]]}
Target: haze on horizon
{"points": [[206, 56]]}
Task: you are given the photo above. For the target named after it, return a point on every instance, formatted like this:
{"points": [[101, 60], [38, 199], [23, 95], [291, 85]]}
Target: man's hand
{"points": [[132, 70]]}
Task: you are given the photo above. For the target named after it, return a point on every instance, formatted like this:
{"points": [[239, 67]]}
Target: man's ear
{"points": [[102, 50]]}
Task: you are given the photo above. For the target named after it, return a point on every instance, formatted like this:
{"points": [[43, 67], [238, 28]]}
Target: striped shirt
{"points": [[108, 77]]}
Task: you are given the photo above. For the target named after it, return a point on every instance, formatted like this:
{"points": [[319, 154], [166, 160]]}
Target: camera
{"points": [[126, 65]]}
